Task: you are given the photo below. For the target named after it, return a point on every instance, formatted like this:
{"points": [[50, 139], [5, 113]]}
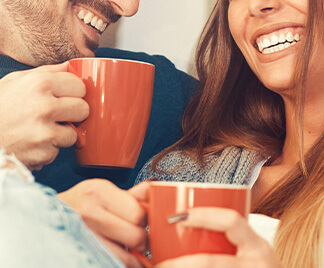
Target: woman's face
{"points": [[268, 34]]}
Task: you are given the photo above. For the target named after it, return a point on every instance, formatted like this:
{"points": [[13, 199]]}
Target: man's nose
{"points": [[125, 8]]}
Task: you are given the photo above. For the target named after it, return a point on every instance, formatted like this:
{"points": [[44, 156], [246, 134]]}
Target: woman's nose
{"points": [[125, 8], [259, 8]]}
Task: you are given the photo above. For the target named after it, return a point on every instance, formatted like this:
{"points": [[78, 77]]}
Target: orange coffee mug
{"points": [[166, 199], [119, 93]]}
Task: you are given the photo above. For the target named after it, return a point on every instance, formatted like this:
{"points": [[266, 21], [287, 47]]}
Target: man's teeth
{"points": [[92, 20], [275, 42]]}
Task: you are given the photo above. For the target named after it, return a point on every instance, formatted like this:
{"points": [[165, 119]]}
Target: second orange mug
{"points": [[119, 93], [168, 241]]}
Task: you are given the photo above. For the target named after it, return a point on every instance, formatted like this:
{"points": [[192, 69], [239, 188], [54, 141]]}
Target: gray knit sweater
{"points": [[231, 166]]}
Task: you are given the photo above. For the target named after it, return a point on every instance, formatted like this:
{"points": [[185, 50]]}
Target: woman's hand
{"points": [[252, 250]]}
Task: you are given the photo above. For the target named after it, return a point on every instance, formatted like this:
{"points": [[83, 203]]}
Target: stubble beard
{"points": [[44, 35]]}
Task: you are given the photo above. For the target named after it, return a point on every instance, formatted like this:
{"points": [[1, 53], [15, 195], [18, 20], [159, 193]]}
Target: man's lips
{"points": [[92, 19]]}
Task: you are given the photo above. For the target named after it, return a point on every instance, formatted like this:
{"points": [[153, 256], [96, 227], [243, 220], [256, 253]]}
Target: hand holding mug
{"points": [[33, 106], [119, 93], [170, 201], [252, 250]]}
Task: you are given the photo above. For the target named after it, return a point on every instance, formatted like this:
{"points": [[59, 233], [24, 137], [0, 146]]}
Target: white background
{"points": [[166, 27]]}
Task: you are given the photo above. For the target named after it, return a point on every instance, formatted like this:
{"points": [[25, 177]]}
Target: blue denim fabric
{"points": [[38, 230]]}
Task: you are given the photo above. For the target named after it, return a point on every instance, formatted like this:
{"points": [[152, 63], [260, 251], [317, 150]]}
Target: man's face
{"points": [[53, 31]]}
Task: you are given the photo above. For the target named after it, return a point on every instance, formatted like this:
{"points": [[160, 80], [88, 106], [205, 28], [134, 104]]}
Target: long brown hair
{"points": [[232, 107]]}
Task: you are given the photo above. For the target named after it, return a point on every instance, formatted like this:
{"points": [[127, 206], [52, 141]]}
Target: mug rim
{"points": [[205, 185], [111, 59]]}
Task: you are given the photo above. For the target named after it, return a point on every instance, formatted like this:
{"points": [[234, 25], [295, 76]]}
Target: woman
{"points": [[259, 110]]}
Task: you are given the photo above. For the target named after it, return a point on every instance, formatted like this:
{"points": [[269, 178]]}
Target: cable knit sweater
{"points": [[231, 166]]}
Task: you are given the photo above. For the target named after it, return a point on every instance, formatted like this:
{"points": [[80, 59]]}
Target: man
{"points": [[35, 103]]}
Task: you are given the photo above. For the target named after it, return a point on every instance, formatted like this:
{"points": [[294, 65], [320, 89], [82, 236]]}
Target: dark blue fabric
{"points": [[172, 91]]}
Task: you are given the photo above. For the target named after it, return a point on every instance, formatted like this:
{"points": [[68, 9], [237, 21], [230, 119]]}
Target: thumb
{"points": [[54, 68]]}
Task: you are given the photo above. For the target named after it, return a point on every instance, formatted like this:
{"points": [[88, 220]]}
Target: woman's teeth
{"points": [[92, 20], [276, 42]]}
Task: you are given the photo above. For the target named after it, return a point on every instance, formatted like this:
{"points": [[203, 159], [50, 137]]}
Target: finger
{"points": [[38, 157], [124, 205], [126, 257], [52, 68], [140, 191], [213, 260], [65, 136], [69, 109], [116, 229], [202, 261], [224, 220], [68, 85]]}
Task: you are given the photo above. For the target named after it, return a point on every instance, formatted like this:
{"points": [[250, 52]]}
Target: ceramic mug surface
{"points": [[119, 93], [166, 199]]}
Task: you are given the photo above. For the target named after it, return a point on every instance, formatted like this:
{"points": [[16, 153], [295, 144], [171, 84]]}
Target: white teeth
{"points": [[297, 38], [274, 40], [273, 43], [81, 15], [260, 46], [266, 42], [103, 28], [87, 19], [282, 38], [289, 37], [99, 24], [93, 20]]}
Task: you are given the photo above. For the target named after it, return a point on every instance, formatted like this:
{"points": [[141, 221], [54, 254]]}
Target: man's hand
{"points": [[34, 105], [114, 215]]}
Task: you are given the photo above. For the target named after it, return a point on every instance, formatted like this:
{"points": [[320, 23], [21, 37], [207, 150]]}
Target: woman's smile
{"points": [[268, 34]]}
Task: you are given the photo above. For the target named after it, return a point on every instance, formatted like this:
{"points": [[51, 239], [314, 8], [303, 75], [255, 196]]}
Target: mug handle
{"points": [[143, 259], [81, 141]]}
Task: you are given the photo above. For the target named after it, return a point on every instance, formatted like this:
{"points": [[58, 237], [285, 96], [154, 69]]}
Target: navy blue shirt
{"points": [[172, 91]]}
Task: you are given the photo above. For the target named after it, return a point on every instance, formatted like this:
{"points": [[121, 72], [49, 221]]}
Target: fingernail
{"points": [[177, 218]]}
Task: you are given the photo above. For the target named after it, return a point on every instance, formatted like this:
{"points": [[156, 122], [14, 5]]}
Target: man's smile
{"points": [[97, 22]]}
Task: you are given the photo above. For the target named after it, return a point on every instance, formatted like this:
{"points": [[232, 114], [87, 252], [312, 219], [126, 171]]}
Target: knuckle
{"points": [[45, 108], [45, 135], [85, 211], [77, 83], [136, 215], [43, 81]]}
